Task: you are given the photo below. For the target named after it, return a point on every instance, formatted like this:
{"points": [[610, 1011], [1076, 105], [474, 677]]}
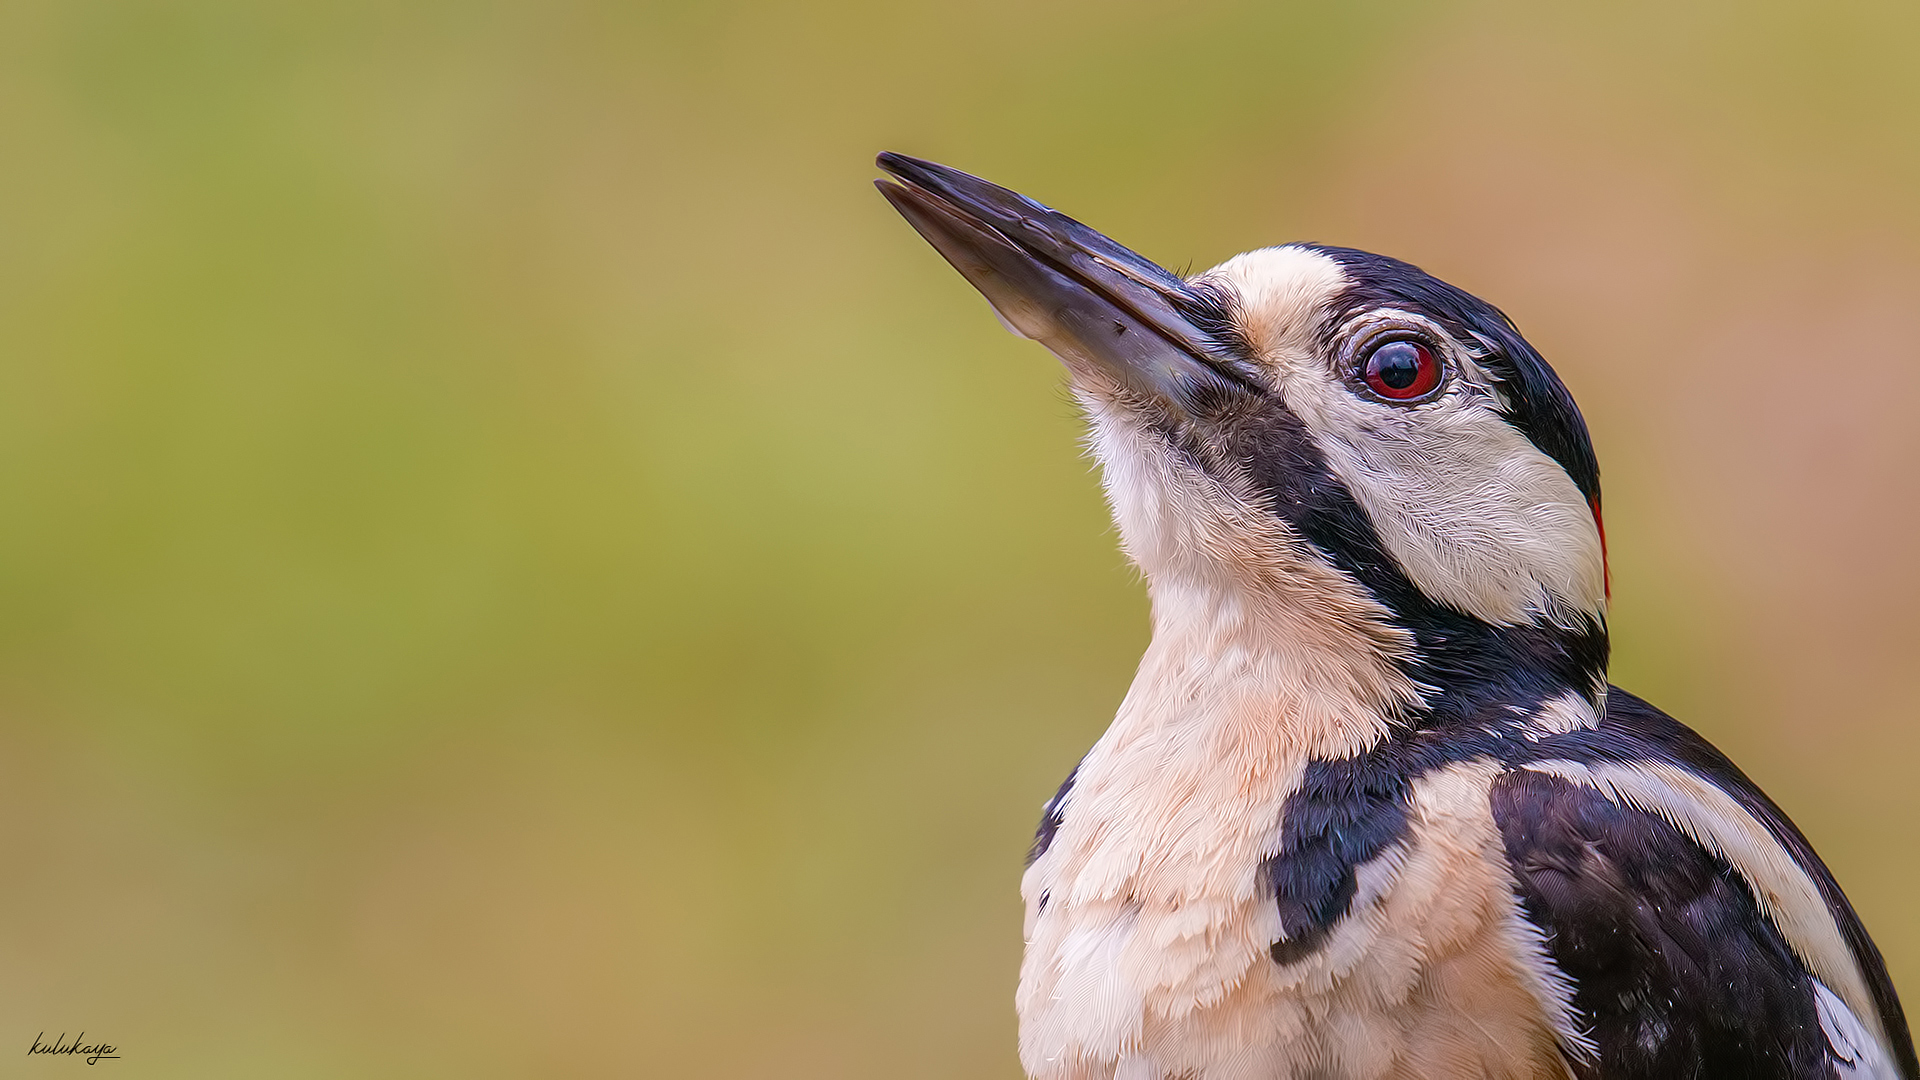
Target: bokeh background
{"points": [[514, 562]]}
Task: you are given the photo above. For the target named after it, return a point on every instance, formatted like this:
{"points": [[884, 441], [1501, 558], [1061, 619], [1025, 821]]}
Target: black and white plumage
{"points": [[1370, 808]]}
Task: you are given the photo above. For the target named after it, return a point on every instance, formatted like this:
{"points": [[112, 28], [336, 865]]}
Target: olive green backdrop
{"points": [[514, 562]]}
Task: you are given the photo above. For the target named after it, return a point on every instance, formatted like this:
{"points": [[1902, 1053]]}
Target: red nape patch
{"points": [[1606, 568]]}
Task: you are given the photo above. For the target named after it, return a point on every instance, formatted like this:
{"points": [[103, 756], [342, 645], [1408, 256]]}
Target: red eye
{"points": [[1402, 370]]}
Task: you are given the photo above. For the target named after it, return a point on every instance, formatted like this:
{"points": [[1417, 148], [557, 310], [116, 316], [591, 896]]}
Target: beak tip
{"points": [[919, 172], [889, 162], [1055, 280]]}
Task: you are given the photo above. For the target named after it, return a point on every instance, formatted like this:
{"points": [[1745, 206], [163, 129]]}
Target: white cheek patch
{"points": [[1475, 514]]}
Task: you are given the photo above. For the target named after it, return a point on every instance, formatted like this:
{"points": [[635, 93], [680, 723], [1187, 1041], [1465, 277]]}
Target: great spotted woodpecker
{"points": [[1370, 808]]}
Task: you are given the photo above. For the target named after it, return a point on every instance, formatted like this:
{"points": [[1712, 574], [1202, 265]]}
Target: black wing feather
{"points": [[1639, 728], [1676, 971]]}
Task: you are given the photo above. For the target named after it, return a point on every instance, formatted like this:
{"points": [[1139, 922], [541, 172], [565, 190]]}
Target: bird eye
{"points": [[1401, 370]]}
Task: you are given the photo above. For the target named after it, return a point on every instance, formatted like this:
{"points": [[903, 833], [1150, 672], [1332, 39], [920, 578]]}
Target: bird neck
{"points": [[1478, 676], [1251, 670], [1265, 668]]}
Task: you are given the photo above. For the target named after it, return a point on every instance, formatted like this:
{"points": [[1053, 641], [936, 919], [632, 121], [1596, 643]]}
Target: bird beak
{"points": [[1102, 309]]}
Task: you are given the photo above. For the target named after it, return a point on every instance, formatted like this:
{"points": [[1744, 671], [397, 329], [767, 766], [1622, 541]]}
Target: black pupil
{"points": [[1397, 364]]}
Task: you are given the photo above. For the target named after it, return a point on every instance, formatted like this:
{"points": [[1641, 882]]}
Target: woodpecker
{"points": [[1370, 807]]}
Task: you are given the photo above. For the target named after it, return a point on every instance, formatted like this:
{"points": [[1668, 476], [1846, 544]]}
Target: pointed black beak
{"points": [[1102, 309]]}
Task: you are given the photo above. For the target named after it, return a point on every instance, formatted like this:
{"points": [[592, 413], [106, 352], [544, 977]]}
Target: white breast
{"points": [[1150, 958]]}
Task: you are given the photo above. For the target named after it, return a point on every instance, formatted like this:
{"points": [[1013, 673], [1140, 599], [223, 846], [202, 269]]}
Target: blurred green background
{"points": [[516, 563]]}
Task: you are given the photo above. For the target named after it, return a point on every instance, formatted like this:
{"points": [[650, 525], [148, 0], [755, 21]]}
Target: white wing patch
{"points": [[1562, 715], [1856, 1053]]}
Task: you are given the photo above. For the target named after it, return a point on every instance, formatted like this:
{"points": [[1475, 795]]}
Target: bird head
{"points": [[1312, 431]]}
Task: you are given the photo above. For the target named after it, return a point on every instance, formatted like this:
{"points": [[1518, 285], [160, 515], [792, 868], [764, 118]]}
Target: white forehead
{"points": [[1284, 293]]}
